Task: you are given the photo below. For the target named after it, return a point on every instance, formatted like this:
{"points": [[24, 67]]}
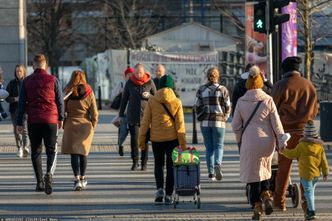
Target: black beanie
{"points": [[291, 64]]}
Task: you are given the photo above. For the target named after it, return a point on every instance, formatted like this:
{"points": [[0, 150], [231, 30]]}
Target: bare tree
{"points": [[49, 29], [129, 21], [306, 10]]}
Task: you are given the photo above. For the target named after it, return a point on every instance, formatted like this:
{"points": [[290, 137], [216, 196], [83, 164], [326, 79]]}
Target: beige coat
{"points": [[81, 119], [258, 141]]}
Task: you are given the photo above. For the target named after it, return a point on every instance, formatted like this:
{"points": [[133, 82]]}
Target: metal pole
{"points": [[194, 141], [99, 98]]}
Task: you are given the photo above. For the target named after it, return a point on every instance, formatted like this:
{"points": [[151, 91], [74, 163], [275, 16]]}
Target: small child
{"points": [[311, 160]]}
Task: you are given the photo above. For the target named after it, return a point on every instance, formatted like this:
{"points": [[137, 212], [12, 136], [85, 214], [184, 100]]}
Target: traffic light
{"points": [[274, 17], [259, 17]]}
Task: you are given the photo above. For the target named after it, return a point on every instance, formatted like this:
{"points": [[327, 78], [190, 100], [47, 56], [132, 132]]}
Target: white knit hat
{"points": [[310, 130]]}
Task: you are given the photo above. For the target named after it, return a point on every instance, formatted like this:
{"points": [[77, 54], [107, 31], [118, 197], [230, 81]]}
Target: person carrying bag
{"points": [[167, 131]]}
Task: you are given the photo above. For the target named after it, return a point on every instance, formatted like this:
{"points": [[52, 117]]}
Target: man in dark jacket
{"points": [[41, 98], [240, 87], [136, 93], [296, 101], [13, 89]]}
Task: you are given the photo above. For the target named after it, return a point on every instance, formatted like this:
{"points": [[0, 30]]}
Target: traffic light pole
{"points": [[269, 65]]}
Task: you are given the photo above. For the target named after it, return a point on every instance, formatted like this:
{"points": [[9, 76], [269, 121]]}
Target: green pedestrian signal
{"points": [[259, 17], [259, 24]]}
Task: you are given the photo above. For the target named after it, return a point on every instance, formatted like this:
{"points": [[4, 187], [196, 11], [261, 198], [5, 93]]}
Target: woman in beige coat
{"points": [[81, 119], [258, 140]]}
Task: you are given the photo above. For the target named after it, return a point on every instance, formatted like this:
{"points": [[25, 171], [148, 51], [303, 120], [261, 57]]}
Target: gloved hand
{"points": [[120, 120]]}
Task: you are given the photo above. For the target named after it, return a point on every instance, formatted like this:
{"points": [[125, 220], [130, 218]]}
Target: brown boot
{"points": [[258, 210], [267, 200], [304, 206]]}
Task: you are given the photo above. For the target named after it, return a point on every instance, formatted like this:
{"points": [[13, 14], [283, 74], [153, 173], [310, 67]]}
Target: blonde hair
{"points": [[213, 75], [255, 79], [77, 78]]}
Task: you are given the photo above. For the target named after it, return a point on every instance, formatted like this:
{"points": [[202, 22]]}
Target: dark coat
{"points": [[132, 95], [13, 89]]}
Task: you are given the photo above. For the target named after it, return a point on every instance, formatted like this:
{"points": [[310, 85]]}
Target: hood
{"points": [[83, 90], [146, 77], [165, 95], [313, 146], [254, 95]]}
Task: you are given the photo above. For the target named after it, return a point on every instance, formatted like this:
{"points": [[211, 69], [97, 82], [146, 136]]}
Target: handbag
{"points": [[247, 123], [3, 93], [203, 109], [116, 101]]}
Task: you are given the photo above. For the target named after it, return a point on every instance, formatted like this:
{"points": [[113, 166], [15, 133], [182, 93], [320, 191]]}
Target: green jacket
{"points": [[311, 158]]}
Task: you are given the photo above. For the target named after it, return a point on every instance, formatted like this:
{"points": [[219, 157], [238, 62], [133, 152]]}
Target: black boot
{"points": [[121, 151], [135, 165], [143, 166]]}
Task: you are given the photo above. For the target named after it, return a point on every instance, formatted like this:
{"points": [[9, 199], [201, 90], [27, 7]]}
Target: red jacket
{"points": [[41, 98]]}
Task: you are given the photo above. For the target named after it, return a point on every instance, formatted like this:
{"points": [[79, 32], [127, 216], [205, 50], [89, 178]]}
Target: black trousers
{"points": [[256, 190], [133, 130], [160, 150], [37, 134], [78, 164]]}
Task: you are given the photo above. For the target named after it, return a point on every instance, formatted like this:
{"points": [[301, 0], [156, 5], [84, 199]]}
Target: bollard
{"points": [[99, 98], [194, 141]]}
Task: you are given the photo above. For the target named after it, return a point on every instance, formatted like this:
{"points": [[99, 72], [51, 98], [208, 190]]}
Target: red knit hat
{"points": [[129, 70]]}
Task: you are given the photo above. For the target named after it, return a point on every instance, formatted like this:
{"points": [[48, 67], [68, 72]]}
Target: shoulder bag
{"points": [[247, 123]]}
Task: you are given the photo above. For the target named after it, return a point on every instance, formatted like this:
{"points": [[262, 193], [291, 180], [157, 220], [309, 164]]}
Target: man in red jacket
{"points": [[41, 98], [296, 101]]}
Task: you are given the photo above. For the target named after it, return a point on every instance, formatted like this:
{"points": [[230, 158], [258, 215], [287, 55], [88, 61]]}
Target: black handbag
{"points": [[116, 102]]}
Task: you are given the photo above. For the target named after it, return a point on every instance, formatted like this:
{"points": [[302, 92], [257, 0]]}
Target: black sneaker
{"points": [[134, 166], [121, 151], [144, 168], [310, 215], [48, 180], [40, 187], [159, 196]]}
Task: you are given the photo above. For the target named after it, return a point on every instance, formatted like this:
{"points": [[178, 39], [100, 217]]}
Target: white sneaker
{"points": [[77, 185], [20, 152], [26, 151], [84, 183]]}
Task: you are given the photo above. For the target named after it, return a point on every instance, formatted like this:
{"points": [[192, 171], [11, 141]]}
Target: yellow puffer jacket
{"points": [[163, 128], [311, 158]]}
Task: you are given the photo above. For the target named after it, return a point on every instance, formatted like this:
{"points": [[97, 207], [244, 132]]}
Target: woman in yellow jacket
{"points": [[311, 159], [167, 131]]}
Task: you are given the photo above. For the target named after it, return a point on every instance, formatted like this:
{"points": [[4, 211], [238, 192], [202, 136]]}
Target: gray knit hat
{"points": [[310, 130]]}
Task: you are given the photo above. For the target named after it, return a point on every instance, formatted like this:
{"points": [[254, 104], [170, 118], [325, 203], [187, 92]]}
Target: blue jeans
{"points": [[214, 143], [123, 131], [309, 192]]}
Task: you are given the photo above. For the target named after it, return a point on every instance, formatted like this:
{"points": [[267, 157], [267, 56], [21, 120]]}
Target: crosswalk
{"points": [[115, 192]]}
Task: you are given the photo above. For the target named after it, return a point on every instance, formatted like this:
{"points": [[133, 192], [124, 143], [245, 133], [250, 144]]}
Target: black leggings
{"points": [[256, 190], [78, 164]]}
